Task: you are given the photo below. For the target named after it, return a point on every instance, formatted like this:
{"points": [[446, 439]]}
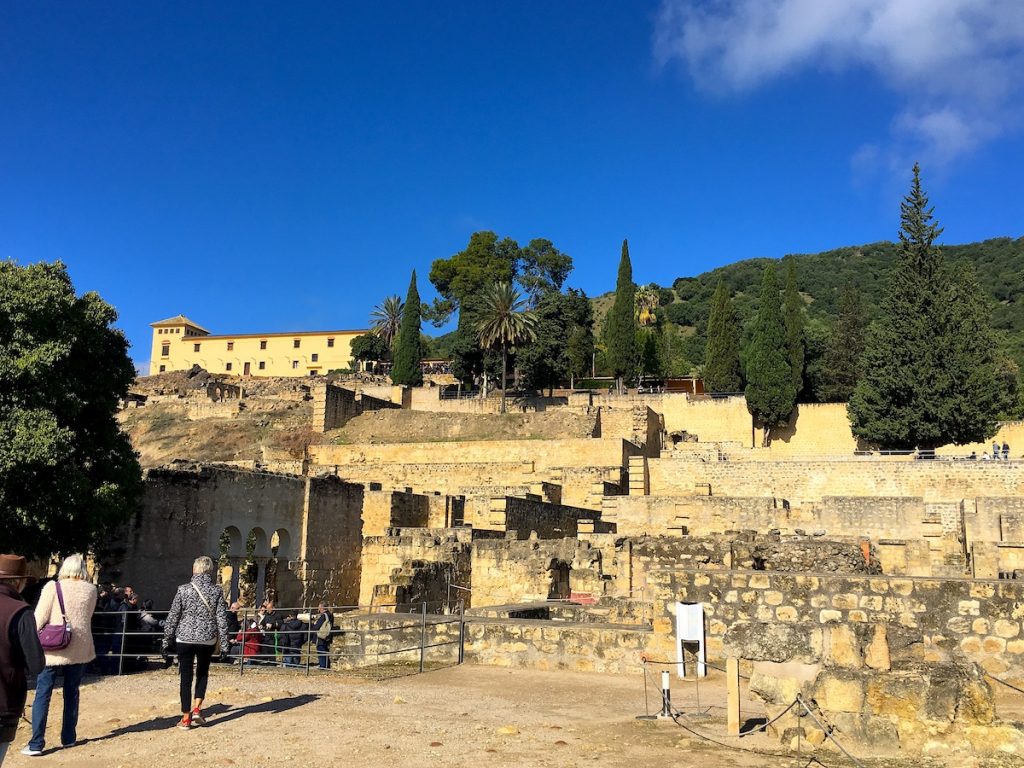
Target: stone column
{"points": [[236, 564], [261, 578]]}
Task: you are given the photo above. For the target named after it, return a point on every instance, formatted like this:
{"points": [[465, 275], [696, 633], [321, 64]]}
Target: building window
{"points": [[330, 342], [263, 364], [231, 345], [195, 347], [315, 357], [163, 368], [295, 363], [296, 343], [227, 366], [263, 344], [165, 349]]}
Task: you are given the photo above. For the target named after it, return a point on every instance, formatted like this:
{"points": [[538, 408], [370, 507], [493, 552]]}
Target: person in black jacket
{"points": [[20, 651], [293, 633]]}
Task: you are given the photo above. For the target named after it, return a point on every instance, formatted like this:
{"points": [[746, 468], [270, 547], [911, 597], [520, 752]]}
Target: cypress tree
{"points": [[843, 356], [408, 352], [722, 370], [929, 374], [793, 311], [621, 331], [770, 392]]}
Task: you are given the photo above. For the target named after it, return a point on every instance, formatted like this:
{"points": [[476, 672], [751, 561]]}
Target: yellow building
{"points": [[179, 343]]}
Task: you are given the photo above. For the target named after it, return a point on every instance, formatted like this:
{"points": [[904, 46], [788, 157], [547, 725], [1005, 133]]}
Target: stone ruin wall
{"points": [[803, 481], [980, 618], [334, 406]]}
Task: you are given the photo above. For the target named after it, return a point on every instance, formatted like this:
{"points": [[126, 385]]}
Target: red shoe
{"points": [[185, 722], [197, 717]]}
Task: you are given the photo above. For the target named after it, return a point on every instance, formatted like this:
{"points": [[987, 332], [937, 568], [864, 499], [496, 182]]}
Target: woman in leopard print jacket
{"points": [[197, 620]]}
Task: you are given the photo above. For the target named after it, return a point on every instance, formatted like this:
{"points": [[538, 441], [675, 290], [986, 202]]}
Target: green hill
{"points": [[821, 277]]}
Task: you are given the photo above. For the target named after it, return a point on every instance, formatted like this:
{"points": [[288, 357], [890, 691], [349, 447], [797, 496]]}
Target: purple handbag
{"points": [[56, 637]]}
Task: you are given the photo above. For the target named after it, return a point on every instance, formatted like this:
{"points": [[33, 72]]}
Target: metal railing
{"points": [[385, 642]]}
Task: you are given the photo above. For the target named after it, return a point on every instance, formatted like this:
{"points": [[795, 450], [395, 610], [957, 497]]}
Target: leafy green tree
{"points": [[461, 279], [408, 353], [771, 394], [579, 352], [652, 353], [722, 370], [369, 347], [841, 366], [930, 373], [68, 474], [621, 323], [386, 318], [793, 312], [503, 323], [546, 361], [542, 269]]}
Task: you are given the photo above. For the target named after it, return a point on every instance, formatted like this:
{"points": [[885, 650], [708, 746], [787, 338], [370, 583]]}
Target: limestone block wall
{"points": [[334, 405], [332, 541], [450, 479], [393, 509], [981, 618], [699, 515], [543, 454], [585, 486], [802, 481], [384, 555], [185, 509], [510, 571], [526, 516]]}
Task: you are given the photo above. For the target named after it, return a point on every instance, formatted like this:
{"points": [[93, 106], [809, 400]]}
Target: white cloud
{"points": [[956, 63]]}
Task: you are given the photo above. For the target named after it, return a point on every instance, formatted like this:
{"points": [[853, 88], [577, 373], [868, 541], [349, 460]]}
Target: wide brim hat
{"points": [[14, 567]]}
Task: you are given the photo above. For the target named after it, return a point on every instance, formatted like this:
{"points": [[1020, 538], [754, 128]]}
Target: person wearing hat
{"points": [[20, 651]]}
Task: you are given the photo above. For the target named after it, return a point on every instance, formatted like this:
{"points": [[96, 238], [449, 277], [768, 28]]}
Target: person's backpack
{"points": [[325, 629]]}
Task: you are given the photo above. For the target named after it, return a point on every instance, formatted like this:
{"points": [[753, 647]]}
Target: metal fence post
{"points": [[462, 631], [124, 629], [423, 634]]}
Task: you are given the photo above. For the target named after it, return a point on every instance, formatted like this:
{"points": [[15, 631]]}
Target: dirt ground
{"points": [[459, 716]]}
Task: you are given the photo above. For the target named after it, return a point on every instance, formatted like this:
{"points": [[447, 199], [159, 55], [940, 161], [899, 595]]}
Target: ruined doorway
{"points": [[245, 369], [559, 589]]}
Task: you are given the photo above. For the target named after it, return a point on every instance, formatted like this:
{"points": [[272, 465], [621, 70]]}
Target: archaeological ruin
{"points": [[884, 589]]}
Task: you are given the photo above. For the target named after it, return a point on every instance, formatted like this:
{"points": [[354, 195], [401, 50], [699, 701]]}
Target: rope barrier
{"points": [[1008, 685], [828, 733]]}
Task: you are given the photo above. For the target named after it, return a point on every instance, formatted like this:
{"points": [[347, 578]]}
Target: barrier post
{"points": [[423, 634], [462, 631], [124, 628], [732, 678], [666, 697]]}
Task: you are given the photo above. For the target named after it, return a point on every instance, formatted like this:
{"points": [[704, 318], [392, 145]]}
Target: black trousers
{"points": [[201, 655]]}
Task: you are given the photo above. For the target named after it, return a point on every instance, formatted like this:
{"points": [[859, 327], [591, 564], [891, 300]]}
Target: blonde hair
{"points": [[73, 567], [202, 564]]}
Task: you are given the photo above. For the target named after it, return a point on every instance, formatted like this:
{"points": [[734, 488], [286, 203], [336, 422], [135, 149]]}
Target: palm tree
{"points": [[646, 303], [387, 319], [503, 323]]}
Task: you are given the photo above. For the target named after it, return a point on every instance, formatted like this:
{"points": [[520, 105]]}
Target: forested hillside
{"points": [[821, 278]]}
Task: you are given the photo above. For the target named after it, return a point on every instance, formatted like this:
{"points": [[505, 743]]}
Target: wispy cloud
{"points": [[956, 63]]}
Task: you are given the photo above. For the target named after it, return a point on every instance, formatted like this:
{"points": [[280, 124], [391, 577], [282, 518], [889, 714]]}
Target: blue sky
{"points": [[271, 166]]}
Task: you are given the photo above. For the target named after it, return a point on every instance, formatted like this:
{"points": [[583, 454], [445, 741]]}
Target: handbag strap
{"points": [[202, 597], [60, 599]]}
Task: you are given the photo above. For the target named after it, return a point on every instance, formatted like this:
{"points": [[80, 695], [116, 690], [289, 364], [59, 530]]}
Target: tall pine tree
{"points": [[722, 369], [623, 354], [929, 372], [843, 356], [770, 391], [793, 311], [408, 352]]}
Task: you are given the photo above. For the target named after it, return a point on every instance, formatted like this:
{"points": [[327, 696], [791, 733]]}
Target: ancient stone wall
{"points": [[393, 509], [526, 516], [183, 513], [982, 618], [510, 571], [801, 481], [333, 406], [332, 541], [384, 557]]}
